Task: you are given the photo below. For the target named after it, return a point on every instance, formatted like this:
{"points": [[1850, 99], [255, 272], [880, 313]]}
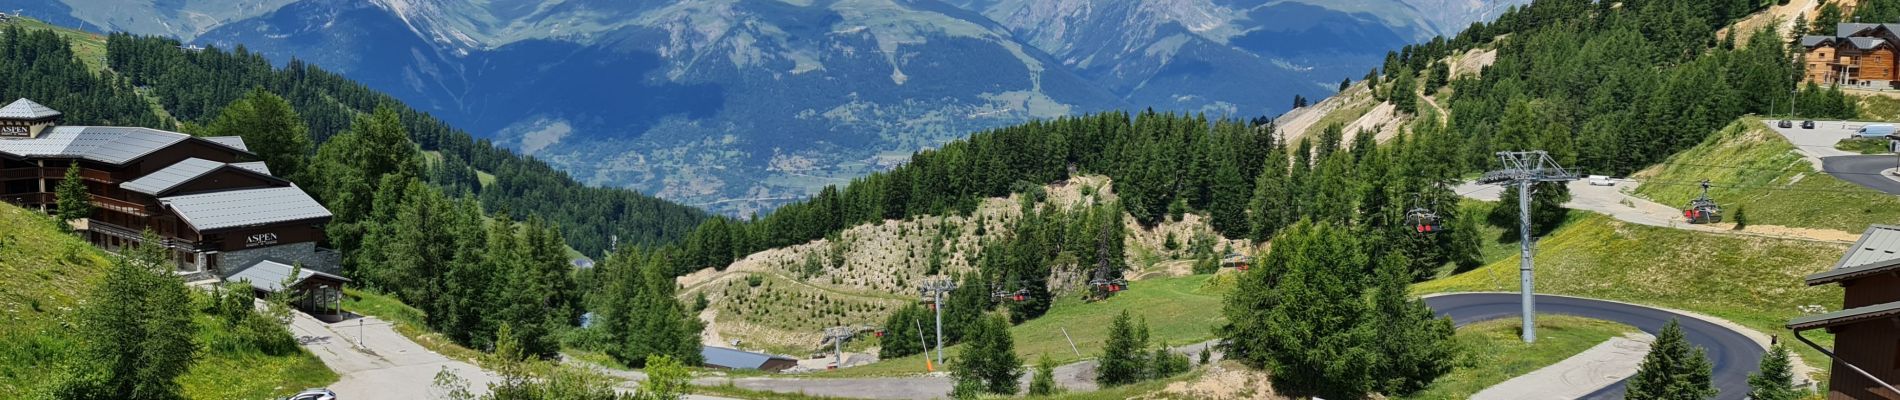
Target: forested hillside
{"points": [[193, 86], [419, 220]]}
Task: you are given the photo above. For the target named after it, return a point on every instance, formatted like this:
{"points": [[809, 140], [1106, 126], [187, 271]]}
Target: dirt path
{"points": [[1612, 201]]}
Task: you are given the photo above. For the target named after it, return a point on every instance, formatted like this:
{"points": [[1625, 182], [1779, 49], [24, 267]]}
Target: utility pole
{"points": [[934, 291], [1525, 169]]}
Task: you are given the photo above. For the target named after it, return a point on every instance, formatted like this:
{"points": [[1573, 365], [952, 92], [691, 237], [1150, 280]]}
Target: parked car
{"points": [[1785, 124], [1809, 124], [1875, 131], [1600, 180], [313, 394]]}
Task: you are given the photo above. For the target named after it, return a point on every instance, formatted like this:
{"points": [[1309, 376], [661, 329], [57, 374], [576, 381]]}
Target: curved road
{"points": [[1864, 171], [1734, 354]]}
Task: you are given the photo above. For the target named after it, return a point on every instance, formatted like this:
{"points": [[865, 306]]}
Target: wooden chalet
{"points": [[215, 209], [1866, 354], [1856, 55]]}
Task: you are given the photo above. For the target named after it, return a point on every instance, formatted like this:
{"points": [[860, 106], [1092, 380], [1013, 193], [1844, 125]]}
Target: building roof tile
{"points": [[735, 358], [268, 275], [172, 176], [245, 207], [235, 142], [1877, 250], [1844, 317], [28, 110]]}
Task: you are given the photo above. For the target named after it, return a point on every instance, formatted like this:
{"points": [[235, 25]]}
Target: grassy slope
{"points": [[48, 274], [1179, 311], [1492, 352], [1758, 170], [1756, 282]]}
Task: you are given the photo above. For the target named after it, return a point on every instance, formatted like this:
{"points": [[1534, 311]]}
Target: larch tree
{"points": [[270, 128]]}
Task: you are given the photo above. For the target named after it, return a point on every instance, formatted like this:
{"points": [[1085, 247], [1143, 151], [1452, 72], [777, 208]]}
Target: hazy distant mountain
{"points": [[740, 105]]}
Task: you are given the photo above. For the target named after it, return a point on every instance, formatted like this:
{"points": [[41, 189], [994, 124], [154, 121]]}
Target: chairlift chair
{"points": [[1422, 218], [1238, 261], [1703, 210]]}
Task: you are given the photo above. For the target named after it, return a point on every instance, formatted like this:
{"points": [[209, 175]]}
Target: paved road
{"points": [[1868, 171], [1818, 146], [1580, 375], [386, 366], [1734, 354]]}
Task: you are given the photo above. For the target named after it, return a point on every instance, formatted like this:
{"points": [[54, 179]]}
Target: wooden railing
{"points": [[20, 173]]}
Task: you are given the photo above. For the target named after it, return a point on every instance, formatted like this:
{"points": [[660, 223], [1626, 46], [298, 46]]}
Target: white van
{"points": [[1875, 131]]}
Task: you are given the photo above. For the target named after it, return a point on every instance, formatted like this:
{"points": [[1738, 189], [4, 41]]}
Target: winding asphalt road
{"points": [[1734, 354], [1864, 171]]}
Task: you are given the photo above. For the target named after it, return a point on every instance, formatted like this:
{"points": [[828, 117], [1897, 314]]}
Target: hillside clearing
{"points": [[780, 300]]}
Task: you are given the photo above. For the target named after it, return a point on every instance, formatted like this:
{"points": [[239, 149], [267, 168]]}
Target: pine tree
{"points": [[270, 128], [1044, 383], [138, 340], [1123, 357], [1775, 378], [1826, 19], [73, 200], [1673, 370], [989, 357], [1268, 209]]}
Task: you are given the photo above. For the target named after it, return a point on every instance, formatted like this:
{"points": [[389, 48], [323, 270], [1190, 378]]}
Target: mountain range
{"points": [[738, 106]]}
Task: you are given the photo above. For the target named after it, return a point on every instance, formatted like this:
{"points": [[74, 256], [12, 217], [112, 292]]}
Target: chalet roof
{"points": [[1845, 317], [106, 144], [235, 142], [161, 182], [1812, 40], [268, 275], [28, 110], [1848, 29], [254, 166], [1878, 250], [1866, 43], [172, 176], [735, 358], [245, 207]]}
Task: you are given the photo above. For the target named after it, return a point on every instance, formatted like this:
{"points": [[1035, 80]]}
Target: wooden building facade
{"points": [[217, 211], [1866, 354], [1856, 55]]}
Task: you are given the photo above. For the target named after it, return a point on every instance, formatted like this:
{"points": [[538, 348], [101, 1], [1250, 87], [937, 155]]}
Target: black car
{"points": [[1807, 124], [1785, 124]]}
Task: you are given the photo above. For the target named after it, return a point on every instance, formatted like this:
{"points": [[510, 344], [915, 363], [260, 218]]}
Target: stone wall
{"points": [[302, 253]]}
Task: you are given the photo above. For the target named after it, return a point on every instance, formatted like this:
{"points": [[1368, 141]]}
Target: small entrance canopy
{"points": [[320, 290]]}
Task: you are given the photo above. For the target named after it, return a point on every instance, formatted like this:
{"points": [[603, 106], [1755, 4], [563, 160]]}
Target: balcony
{"points": [[123, 206], [19, 173]]}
